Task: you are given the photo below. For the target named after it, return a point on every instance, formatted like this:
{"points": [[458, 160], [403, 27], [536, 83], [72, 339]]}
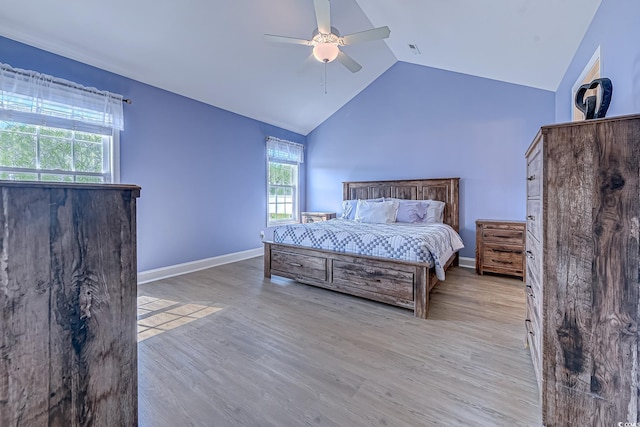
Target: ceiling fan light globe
{"points": [[326, 52]]}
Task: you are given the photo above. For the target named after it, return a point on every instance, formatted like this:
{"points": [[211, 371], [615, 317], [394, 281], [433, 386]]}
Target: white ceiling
{"points": [[213, 51]]}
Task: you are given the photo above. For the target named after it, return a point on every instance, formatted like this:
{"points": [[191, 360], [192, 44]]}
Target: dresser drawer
{"points": [[534, 341], [533, 279], [534, 218], [533, 305], [534, 255], [534, 169]]}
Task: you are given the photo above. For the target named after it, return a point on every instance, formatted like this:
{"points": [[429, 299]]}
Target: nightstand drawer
{"points": [[506, 236], [504, 257]]}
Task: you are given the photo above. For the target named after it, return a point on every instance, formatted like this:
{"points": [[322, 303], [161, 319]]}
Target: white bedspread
{"points": [[429, 243]]}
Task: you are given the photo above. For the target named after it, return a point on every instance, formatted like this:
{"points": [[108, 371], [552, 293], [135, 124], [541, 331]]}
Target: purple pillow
{"points": [[412, 211]]}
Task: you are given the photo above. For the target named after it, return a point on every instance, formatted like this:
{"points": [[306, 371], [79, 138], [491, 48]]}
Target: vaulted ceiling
{"points": [[214, 51]]}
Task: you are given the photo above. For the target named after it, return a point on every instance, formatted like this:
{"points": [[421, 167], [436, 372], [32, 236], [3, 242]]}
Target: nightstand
{"points": [[308, 217], [500, 247]]}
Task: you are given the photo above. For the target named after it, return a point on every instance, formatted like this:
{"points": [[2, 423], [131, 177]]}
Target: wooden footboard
{"points": [[400, 283]]}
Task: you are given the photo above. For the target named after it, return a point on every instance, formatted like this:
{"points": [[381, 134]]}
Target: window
{"points": [[55, 130], [38, 153], [283, 181]]}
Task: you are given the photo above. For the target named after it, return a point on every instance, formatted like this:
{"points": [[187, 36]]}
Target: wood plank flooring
{"points": [[225, 347]]}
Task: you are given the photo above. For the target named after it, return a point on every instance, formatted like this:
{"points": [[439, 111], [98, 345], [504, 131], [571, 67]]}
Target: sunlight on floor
{"points": [[156, 315]]}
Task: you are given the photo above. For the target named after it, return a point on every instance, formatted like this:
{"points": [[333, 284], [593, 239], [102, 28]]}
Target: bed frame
{"points": [[400, 283]]}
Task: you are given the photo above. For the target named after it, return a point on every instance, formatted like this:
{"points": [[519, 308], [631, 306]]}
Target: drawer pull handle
{"points": [[531, 217], [506, 236], [295, 264], [529, 327], [531, 178], [530, 255], [507, 251]]}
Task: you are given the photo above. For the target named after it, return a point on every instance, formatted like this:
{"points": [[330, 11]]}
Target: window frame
{"points": [[111, 153], [296, 194]]}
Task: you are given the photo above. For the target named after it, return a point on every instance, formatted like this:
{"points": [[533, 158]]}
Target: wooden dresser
{"points": [[309, 217], [583, 207], [500, 247], [68, 349]]}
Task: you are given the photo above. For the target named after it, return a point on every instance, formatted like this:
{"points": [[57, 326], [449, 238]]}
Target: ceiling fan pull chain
{"points": [[325, 78]]}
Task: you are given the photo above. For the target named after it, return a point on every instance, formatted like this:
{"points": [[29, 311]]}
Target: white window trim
{"points": [[296, 199], [115, 157], [579, 82]]}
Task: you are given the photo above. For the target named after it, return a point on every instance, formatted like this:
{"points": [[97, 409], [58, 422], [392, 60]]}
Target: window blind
{"points": [[284, 151], [40, 99]]}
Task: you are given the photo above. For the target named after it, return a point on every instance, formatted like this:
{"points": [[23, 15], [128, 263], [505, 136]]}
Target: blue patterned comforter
{"points": [[430, 243]]}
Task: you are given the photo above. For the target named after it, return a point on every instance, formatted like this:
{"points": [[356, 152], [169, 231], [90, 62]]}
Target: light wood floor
{"points": [[225, 347]]}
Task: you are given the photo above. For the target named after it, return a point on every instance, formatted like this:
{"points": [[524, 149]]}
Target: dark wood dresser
{"points": [[500, 247], [68, 349], [582, 289]]}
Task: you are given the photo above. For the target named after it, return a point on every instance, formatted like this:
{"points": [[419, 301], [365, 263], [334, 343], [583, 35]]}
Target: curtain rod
{"points": [[65, 84]]}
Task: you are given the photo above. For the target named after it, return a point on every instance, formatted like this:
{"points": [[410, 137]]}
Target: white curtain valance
{"points": [[31, 97], [285, 151]]}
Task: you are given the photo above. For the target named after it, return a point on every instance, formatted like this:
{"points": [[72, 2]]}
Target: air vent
{"points": [[414, 49]]}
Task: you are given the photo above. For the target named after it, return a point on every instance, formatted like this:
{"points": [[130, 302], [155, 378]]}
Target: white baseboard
{"points": [[190, 267], [467, 262]]}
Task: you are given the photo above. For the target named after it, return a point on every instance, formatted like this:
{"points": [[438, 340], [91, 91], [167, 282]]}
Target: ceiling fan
{"points": [[326, 39]]}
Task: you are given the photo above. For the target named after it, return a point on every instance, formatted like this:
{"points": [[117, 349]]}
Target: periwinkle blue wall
{"points": [[616, 29], [421, 122], [202, 169]]}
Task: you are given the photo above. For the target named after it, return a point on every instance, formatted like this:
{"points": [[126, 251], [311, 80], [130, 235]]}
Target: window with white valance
{"points": [[53, 129], [283, 181]]}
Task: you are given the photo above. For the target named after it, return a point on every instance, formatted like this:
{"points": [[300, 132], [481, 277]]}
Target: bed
{"points": [[397, 282]]}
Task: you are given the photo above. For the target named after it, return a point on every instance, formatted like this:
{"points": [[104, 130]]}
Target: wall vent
{"points": [[414, 49]]}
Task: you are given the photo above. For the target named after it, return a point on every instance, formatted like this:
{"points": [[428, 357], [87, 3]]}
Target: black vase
{"points": [[588, 105]]}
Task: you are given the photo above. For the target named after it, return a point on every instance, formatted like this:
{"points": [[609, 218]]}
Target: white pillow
{"points": [[349, 207], [376, 212], [435, 211]]}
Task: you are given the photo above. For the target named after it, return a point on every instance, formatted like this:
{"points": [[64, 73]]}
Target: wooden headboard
{"points": [[443, 189]]}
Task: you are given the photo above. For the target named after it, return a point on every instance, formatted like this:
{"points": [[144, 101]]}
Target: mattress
{"points": [[432, 244]]}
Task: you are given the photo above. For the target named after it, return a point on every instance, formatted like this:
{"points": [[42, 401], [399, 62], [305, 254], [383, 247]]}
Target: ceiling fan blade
{"points": [[348, 62], [365, 36], [323, 17], [289, 40]]}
